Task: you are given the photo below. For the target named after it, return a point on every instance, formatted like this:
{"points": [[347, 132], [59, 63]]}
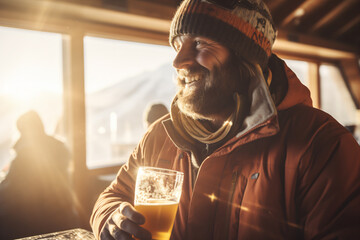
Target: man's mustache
{"points": [[188, 73]]}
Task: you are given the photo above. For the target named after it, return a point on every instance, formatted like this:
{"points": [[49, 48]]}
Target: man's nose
{"points": [[184, 58]]}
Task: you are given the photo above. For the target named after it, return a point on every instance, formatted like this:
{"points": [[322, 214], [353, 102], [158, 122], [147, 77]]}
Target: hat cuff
{"points": [[206, 26]]}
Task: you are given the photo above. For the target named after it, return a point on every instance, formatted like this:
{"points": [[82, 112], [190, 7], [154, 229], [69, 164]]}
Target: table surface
{"points": [[75, 234]]}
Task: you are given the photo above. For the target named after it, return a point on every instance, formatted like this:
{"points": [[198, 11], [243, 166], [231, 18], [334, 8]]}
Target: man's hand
{"points": [[125, 223]]}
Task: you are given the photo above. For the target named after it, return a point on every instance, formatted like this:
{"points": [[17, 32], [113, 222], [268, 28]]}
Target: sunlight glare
{"points": [[32, 68], [212, 197]]}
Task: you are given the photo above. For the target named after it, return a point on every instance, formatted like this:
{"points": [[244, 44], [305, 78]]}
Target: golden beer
{"points": [[159, 217], [157, 196]]}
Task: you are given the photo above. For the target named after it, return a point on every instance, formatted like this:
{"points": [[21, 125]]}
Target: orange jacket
{"points": [[292, 172]]}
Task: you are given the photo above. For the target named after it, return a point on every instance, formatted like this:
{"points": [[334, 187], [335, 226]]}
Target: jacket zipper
{"points": [[192, 172], [234, 178]]}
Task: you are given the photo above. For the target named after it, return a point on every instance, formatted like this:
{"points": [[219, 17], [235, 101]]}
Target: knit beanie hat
{"points": [[244, 26]]}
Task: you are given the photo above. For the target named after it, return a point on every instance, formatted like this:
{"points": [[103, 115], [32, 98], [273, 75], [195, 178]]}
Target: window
{"points": [[335, 96], [121, 79], [30, 78], [301, 69]]}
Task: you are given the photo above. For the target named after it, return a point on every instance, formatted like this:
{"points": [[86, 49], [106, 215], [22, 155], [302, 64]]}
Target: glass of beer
{"points": [[157, 195]]}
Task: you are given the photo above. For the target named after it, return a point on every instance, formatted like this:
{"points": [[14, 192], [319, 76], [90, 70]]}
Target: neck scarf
{"points": [[191, 129]]}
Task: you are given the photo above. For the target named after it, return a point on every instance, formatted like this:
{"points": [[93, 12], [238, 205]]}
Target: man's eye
{"points": [[198, 42]]}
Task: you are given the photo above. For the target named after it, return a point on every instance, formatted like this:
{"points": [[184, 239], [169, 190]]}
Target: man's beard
{"points": [[212, 95]]}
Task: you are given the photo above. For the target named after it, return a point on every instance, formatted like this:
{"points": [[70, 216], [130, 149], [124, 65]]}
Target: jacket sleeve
{"points": [[120, 190], [328, 196], [123, 187]]}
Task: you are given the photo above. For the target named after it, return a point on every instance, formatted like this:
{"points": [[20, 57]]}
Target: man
{"points": [[153, 112], [259, 161]]}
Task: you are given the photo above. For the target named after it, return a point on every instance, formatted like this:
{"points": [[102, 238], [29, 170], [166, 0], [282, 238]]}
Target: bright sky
{"points": [[30, 62], [108, 61]]}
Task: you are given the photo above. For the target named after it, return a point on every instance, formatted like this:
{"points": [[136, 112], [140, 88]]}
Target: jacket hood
{"points": [[297, 93], [262, 107], [284, 85]]}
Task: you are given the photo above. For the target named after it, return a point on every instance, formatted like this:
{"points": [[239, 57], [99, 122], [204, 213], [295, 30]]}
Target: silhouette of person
{"points": [[35, 196], [153, 112]]}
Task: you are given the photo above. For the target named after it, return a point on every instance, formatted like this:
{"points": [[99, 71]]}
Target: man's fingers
{"points": [[124, 224], [112, 231], [118, 234], [105, 235], [134, 229], [129, 211]]}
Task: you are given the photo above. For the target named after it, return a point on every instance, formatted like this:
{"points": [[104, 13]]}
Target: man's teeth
{"points": [[191, 79]]}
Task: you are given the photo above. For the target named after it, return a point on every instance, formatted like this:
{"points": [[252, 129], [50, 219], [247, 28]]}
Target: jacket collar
{"points": [[262, 107]]}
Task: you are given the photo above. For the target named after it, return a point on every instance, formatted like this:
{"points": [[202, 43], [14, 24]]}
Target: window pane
{"points": [[30, 78], [121, 79], [301, 69], [335, 96]]}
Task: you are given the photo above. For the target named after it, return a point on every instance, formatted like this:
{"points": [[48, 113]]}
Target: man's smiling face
{"points": [[207, 76]]}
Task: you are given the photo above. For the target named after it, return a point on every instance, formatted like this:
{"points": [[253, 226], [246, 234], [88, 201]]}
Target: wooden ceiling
{"points": [[334, 20]]}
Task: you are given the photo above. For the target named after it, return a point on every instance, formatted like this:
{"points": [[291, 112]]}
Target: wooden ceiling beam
{"points": [[311, 47], [347, 27], [304, 9], [283, 8], [273, 4], [43, 11], [334, 14]]}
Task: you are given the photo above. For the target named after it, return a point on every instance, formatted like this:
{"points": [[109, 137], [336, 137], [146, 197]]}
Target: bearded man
{"points": [[259, 161]]}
